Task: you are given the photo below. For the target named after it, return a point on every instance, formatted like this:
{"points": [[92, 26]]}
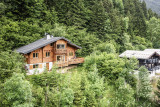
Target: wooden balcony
{"points": [[70, 62], [76, 61], [60, 51]]}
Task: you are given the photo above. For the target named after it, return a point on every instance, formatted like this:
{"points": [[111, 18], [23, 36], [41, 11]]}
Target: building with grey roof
{"points": [[48, 52], [149, 57]]}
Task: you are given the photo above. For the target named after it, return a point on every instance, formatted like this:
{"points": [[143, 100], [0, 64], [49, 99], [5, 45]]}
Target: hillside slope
{"points": [[154, 5]]}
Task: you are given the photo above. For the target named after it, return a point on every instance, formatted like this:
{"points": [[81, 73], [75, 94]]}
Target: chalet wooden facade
{"points": [[49, 51], [150, 58]]}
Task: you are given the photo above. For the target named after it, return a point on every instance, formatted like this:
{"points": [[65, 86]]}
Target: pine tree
{"points": [[123, 94], [144, 8], [98, 19], [72, 12], [144, 87], [119, 5], [158, 92], [2, 9], [139, 25]]}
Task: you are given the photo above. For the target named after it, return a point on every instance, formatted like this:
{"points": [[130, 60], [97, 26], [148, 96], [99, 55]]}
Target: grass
{"points": [[157, 73]]}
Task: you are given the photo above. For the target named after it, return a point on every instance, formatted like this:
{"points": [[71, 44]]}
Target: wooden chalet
{"points": [[149, 58], [49, 51]]}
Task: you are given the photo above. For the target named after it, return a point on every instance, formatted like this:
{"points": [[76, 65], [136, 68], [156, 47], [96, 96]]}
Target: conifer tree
{"points": [[144, 8], [158, 91], [139, 26], [123, 95], [119, 5], [72, 12], [98, 19], [144, 87]]}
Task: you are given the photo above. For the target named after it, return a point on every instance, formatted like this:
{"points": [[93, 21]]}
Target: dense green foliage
{"points": [[157, 92], [103, 28], [144, 87], [10, 62], [17, 91], [86, 23]]}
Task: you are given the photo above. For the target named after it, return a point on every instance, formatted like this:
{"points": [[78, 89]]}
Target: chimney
{"points": [[47, 36]]}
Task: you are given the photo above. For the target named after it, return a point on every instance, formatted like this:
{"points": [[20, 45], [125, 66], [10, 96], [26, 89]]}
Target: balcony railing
{"points": [[60, 51], [151, 61], [70, 62], [76, 61]]}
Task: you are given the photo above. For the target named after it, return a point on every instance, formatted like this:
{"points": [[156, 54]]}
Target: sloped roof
{"points": [[137, 54], [40, 43], [153, 50]]}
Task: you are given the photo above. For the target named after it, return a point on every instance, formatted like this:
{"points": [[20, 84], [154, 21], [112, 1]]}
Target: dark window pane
{"points": [[60, 46], [33, 55], [58, 58], [51, 44], [36, 55], [48, 53], [35, 66]]}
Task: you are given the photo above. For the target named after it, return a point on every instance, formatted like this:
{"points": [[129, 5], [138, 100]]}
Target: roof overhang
{"points": [[23, 49]]}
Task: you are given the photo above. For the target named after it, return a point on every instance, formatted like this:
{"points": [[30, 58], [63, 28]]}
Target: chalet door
{"points": [[47, 66], [60, 58]]}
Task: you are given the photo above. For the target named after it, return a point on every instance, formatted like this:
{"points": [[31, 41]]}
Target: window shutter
{"points": [[31, 67], [40, 65]]}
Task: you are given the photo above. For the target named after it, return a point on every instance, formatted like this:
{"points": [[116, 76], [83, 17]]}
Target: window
{"points": [[60, 46], [47, 54], [51, 44], [70, 53], [35, 66], [60, 58], [35, 55]]}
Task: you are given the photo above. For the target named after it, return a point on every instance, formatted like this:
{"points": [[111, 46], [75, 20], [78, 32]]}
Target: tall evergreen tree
{"points": [[158, 91], [72, 12], [139, 26], [144, 87], [144, 8], [98, 19]]}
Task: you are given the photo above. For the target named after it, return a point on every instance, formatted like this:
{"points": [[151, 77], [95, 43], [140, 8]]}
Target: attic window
{"points": [[51, 44]]}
